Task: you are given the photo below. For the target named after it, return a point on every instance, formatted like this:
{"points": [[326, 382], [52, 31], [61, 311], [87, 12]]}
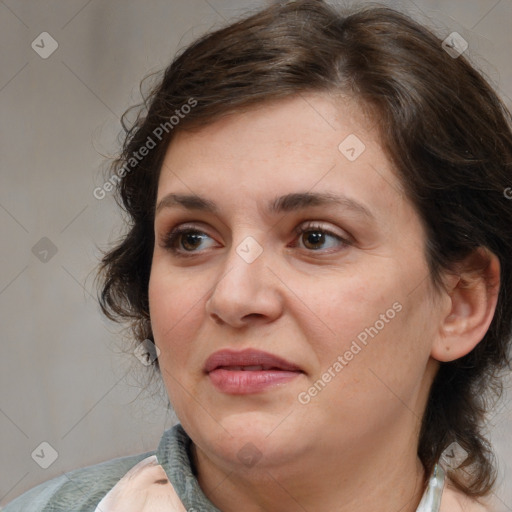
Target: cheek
{"points": [[348, 307], [174, 305], [371, 382], [373, 323], [174, 313]]}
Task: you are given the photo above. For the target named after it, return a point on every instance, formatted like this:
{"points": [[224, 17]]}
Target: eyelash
{"points": [[170, 239]]}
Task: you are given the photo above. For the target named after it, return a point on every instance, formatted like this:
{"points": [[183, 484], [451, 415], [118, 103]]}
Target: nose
{"points": [[245, 291]]}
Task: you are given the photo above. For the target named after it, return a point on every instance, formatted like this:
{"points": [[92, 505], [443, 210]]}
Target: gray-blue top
{"points": [[82, 489]]}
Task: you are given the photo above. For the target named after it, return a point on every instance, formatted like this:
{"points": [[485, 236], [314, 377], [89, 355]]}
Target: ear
{"points": [[471, 294]]}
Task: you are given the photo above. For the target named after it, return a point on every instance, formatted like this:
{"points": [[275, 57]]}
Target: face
{"points": [[304, 264]]}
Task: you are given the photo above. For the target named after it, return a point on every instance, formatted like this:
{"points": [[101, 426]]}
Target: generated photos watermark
{"points": [[151, 142], [343, 360]]}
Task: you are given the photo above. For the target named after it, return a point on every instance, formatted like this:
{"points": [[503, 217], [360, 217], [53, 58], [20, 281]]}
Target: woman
{"points": [[318, 254]]}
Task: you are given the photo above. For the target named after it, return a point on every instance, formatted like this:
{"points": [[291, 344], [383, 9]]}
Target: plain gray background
{"points": [[67, 376]]}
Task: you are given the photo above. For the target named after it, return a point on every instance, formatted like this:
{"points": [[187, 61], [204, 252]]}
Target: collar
{"points": [[431, 500], [141, 488], [175, 457]]}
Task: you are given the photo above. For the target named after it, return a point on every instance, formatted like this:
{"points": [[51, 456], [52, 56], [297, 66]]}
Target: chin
{"points": [[252, 438]]}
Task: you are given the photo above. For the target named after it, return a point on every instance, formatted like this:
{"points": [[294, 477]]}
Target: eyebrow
{"points": [[289, 202]]}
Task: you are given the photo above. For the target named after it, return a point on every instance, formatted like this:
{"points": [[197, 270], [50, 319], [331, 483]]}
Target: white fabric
{"points": [[138, 491], [431, 500]]}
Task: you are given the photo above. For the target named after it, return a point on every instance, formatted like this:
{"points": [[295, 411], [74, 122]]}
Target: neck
{"points": [[380, 478]]}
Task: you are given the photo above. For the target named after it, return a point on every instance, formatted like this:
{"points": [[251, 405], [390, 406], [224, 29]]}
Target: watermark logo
{"points": [[453, 456], [454, 45], [44, 250], [508, 193], [249, 249], [249, 455], [44, 45], [147, 352], [45, 455], [351, 147]]}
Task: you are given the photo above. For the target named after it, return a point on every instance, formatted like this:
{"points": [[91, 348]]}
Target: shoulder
{"points": [[456, 501], [77, 490]]}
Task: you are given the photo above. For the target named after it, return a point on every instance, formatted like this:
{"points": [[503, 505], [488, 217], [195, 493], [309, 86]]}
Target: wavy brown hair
{"points": [[442, 125]]}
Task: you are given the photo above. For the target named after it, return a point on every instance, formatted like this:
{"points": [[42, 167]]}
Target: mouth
{"points": [[248, 360], [249, 371], [252, 368]]}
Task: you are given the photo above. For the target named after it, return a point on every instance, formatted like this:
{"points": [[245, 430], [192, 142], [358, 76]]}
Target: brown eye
{"points": [[313, 238], [190, 241], [316, 238], [184, 240]]}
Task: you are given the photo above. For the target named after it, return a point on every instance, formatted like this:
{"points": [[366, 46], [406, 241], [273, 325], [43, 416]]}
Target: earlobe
{"points": [[472, 296]]}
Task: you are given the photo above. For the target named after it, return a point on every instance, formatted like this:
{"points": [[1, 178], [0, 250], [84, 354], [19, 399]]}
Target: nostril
{"points": [[253, 315], [217, 318]]}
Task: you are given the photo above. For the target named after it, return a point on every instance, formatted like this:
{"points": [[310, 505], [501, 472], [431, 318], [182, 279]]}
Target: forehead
{"points": [[313, 142]]}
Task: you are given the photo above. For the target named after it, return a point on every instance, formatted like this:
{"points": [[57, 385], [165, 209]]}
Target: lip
{"points": [[225, 370]]}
